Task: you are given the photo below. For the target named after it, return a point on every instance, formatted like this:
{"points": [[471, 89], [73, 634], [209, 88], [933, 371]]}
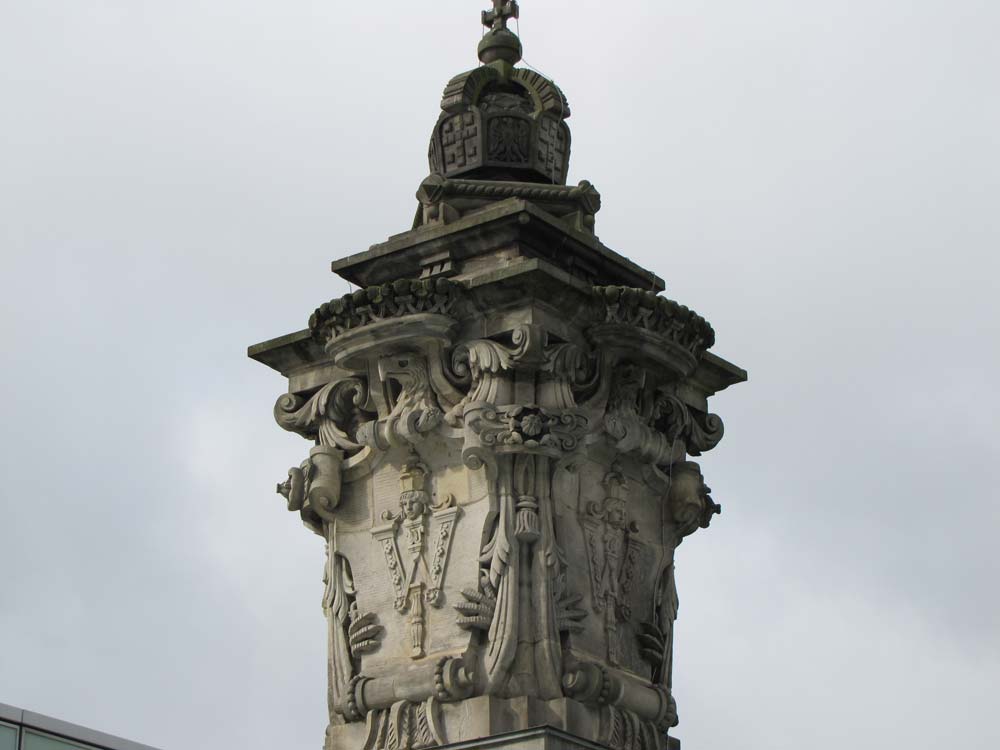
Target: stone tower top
{"points": [[499, 122], [500, 422]]}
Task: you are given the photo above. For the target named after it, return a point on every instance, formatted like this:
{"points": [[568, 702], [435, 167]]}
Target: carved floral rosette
{"points": [[500, 512]]}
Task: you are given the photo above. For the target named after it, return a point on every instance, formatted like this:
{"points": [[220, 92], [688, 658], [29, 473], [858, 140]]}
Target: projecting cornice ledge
{"points": [[490, 237]]}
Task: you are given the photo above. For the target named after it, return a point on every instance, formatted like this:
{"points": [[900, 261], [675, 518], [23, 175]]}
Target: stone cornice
{"points": [[449, 248]]}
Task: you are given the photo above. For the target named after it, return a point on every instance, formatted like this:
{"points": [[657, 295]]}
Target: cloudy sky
{"points": [[819, 179]]}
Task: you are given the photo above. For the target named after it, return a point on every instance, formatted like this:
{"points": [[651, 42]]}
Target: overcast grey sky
{"points": [[821, 180]]}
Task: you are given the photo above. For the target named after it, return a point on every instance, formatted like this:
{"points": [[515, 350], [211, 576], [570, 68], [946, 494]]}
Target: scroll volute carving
{"points": [[329, 417], [699, 430], [569, 370], [690, 504], [491, 365], [627, 424], [520, 399], [314, 487], [553, 372]]}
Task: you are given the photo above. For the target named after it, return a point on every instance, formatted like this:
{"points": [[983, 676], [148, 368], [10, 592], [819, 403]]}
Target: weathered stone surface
{"points": [[501, 423]]}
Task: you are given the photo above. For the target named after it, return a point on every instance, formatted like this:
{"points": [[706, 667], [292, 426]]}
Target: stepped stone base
{"points": [[490, 722], [540, 738]]}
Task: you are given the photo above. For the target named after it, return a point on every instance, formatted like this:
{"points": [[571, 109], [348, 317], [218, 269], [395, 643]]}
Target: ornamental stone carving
{"points": [[416, 580], [501, 421]]}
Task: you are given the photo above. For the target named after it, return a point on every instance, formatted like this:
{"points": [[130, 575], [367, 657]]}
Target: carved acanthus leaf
{"points": [[329, 416], [569, 370], [489, 362], [624, 730], [652, 646], [481, 362], [489, 365], [338, 602], [672, 417], [478, 608], [407, 725], [364, 633]]}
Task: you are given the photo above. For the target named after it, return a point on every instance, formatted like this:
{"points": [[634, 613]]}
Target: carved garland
{"points": [[647, 310], [384, 302]]}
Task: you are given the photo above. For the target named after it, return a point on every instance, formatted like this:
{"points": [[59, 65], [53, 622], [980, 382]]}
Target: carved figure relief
{"points": [[417, 573], [613, 551]]}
